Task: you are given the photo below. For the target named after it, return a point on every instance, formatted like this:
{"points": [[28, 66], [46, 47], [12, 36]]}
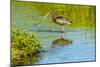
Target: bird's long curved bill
{"points": [[46, 16]]}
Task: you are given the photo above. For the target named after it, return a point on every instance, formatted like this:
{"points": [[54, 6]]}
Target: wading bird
{"points": [[60, 20]]}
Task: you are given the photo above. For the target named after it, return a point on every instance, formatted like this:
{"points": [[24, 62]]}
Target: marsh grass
{"points": [[29, 16], [25, 47]]}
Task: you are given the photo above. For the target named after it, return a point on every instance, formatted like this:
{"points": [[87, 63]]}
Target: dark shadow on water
{"points": [[61, 41]]}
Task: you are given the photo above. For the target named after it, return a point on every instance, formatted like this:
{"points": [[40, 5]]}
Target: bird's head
{"points": [[52, 13]]}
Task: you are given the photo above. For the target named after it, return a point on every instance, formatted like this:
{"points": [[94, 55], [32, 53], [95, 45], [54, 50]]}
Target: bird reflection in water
{"points": [[61, 41]]}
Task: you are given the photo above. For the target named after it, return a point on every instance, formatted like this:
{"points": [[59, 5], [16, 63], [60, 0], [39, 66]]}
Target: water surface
{"points": [[30, 17]]}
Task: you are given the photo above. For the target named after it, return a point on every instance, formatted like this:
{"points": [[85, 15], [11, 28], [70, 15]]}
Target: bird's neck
{"points": [[53, 15]]}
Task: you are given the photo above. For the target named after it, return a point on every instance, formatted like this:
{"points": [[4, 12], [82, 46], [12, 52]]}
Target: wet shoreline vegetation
{"points": [[25, 48]]}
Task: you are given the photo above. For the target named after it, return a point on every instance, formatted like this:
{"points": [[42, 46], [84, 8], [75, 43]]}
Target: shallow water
{"points": [[82, 47], [31, 17]]}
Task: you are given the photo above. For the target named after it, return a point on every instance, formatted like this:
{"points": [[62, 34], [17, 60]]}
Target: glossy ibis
{"points": [[60, 20]]}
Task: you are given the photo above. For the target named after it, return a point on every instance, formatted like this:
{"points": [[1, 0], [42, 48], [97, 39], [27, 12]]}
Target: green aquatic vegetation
{"points": [[32, 15], [25, 47]]}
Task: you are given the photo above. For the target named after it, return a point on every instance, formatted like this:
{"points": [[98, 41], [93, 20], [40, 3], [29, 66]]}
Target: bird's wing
{"points": [[62, 21], [59, 20], [66, 21]]}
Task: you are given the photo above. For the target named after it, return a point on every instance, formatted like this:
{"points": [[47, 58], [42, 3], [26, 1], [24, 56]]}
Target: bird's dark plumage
{"points": [[60, 20]]}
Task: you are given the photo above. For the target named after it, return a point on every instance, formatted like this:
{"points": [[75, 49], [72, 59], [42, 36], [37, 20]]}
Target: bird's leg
{"points": [[62, 28], [62, 35]]}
